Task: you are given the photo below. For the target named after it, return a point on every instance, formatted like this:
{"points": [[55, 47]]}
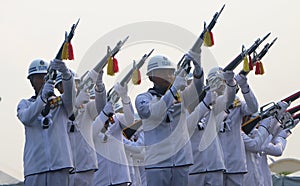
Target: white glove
{"points": [[275, 126], [196, 59], [122, 92], [93, 75], [82, 98], [210, 98], [266, 123], [100, 87], [228, 76], [47, 89], [108, 110], [286, 117], [293, 124], [282, 108], [285, 133], [242, 82], [179, 83], [60, 66]]}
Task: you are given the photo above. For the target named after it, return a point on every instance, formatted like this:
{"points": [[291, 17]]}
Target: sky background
{"points": [[35, 29]]}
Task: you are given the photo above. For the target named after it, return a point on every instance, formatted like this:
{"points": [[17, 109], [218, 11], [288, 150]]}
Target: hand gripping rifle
{"points": [[259, 56], [236, 61], [289, 120], [65, 52], [86, 82], [267, 110], [112, 95], [185, 61], [291, 123]]}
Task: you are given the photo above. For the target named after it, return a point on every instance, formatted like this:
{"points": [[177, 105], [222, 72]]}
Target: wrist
{"points": [[206, 105], [67, 75], [231, 83], [173, 91], [125, 99], [43, 99], [100, 87], [198, 74], [245, 89]]}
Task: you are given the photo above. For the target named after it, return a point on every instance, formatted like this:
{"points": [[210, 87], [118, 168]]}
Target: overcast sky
{"points": [[35, 29]]}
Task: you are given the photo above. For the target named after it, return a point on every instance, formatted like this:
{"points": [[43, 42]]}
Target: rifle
{"points": [[130, 130], [112, 94], [53, 101], [85, 81], [51, 74], [260, 55], [185, 61], [113, 97], [267, 110], [236, 61]]}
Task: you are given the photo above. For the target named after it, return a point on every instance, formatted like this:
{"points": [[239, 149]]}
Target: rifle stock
{"points": [[270, 111], [112, 94], [130, 130], [85, 81]]}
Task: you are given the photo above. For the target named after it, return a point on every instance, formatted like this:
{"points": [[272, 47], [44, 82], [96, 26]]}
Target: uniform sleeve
{"points": [[276, 147], [91, 109], [251, 105], [98, 124], [230, 92], [149, 108], [191, 93], [100, 100], [28, 111], [196, 115], [69, 95], [132, 147], [127, 117], [254, 144]]}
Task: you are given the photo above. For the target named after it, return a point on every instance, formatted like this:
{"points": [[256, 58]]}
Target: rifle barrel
{"points": [[292, 97], [293, 110]]}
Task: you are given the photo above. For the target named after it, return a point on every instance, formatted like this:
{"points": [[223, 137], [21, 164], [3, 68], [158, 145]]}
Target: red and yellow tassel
{"points": [[112, 66], [246, 64], [116, 65], [262, 70], [250, 63], [208, 39], [136, 77], [67, 51], [70, 51], [259, 69]]}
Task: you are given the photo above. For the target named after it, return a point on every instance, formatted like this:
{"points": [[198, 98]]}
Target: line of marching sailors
{"points": [[183, 140]]}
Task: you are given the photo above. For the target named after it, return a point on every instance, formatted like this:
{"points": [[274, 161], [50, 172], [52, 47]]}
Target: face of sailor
{"points": [[163, 78], [37, 81]]}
